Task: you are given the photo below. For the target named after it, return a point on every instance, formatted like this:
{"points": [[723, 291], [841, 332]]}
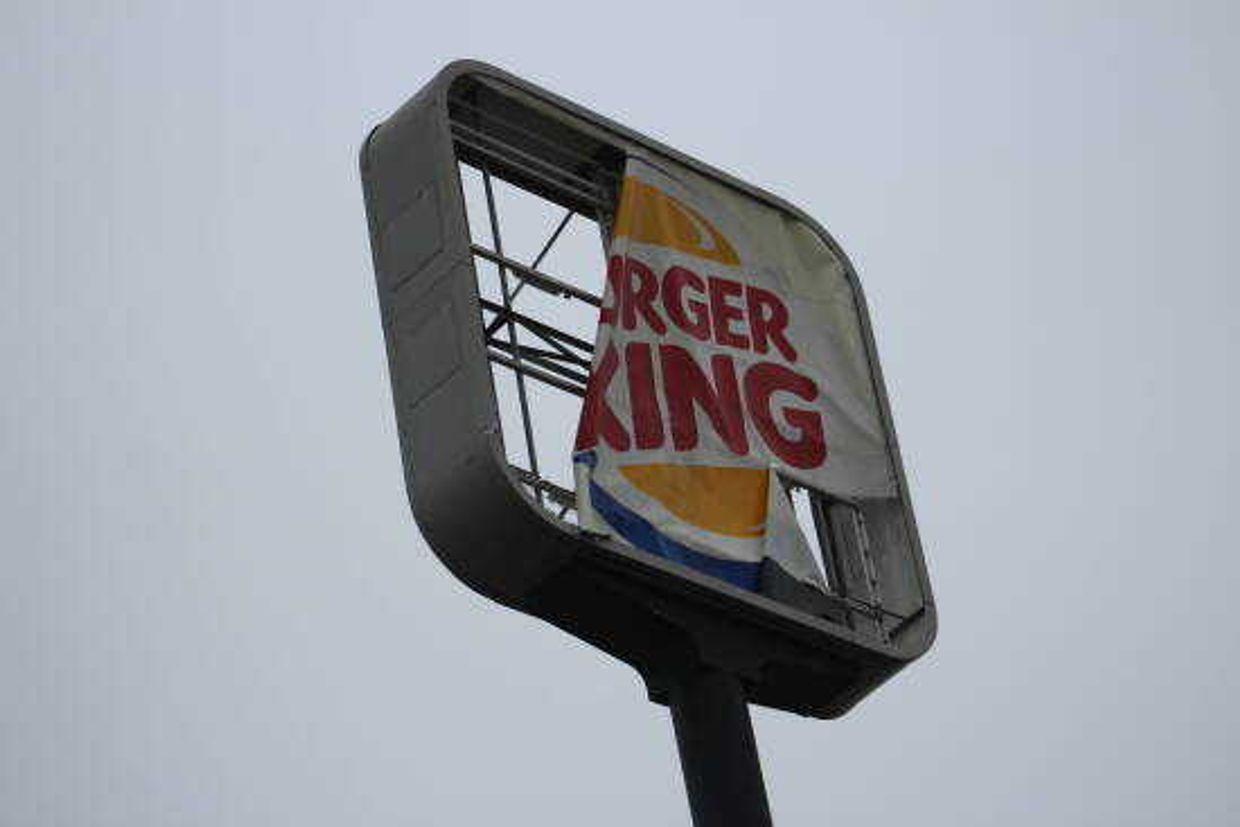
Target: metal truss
{"points": [[557, 358]]}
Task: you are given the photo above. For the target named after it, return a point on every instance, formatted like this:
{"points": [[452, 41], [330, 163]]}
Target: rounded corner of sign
{"points": [[815, 226], [454, 70], [468, 67], [469, 545], [931, 634], [520, 505], [920, 638], [363, 150], [457, 67]]}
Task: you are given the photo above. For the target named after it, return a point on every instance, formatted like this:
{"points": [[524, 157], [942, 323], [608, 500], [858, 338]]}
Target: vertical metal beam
{"points": [[512, 332], [852, 564], [718, 753]]}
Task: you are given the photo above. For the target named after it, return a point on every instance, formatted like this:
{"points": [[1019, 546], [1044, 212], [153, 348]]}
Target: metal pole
{"points": [[718, 754]]}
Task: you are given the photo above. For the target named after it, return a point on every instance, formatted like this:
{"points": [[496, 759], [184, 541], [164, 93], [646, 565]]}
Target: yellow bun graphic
{"points": [[651, 216], [730, 501]]}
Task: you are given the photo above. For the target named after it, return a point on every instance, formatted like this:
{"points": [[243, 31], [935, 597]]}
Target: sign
{"points": [[732, 359], [728, 361]]}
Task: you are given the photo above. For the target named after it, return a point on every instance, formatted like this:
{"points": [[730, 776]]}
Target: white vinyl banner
{"points": [[729, 355]]}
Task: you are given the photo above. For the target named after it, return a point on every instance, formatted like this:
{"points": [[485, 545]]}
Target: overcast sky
{"points": [[215, 608]]}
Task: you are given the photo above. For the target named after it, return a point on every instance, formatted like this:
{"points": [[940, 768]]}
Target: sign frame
{"points": [[473, 507]]}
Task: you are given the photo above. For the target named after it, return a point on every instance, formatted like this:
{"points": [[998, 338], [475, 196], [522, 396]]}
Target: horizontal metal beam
{"points": [[557, 495], [483, 114], [536, 278], [535, 373], [541, 329], [541, 358], [493, 149]]}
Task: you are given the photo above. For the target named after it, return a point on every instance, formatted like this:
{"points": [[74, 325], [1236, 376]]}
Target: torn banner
{"points": [[728, 356]]}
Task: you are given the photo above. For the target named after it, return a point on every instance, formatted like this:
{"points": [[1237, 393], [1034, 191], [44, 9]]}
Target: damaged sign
{"points": [[729, 365]]}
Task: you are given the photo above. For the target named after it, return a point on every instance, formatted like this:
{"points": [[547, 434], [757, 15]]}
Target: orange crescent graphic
{"points": [[729, 501], [651, 216]]}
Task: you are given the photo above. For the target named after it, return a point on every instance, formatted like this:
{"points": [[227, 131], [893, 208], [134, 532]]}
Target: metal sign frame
{"points": [[501, 528]]}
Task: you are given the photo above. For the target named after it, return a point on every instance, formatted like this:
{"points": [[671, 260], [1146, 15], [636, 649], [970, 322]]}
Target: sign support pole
{"points": [[718, 753]]}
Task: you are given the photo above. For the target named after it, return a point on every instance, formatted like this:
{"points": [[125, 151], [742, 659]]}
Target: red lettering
{"points": [[768, 319], [597, 417], [643, 398], [615, 278], [762, 381], [695, 322], [722, 314], [640, 298], [687, 387]]}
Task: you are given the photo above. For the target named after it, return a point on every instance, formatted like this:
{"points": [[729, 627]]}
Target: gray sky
{"points": [[216, 609]]}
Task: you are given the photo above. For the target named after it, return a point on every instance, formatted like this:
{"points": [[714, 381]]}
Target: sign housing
{"points": [[509, 531]]}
